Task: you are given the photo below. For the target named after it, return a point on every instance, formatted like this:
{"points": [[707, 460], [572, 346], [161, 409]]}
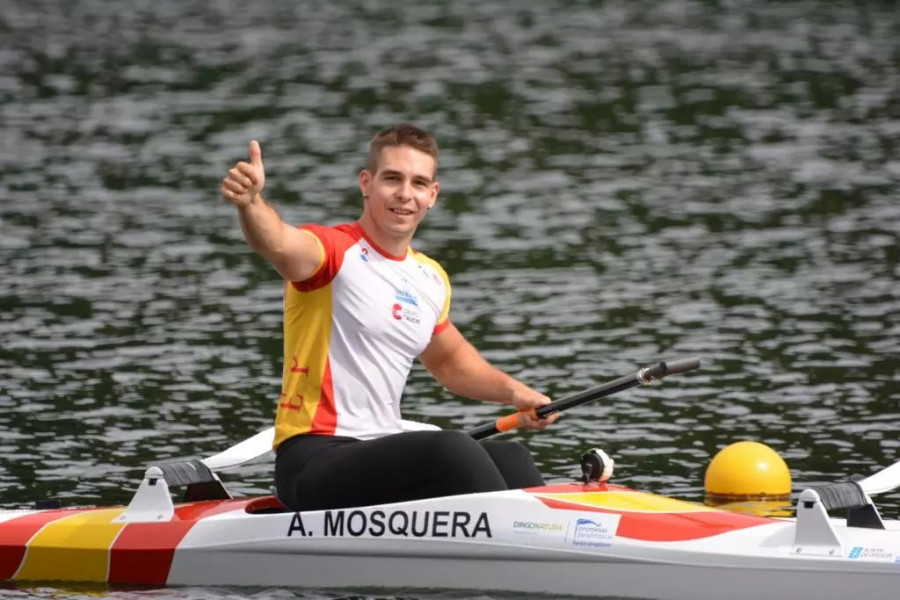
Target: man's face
{"points": [[400, 191]]}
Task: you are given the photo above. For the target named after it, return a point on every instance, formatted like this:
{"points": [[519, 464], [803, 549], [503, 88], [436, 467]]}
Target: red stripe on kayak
{"points": [[143, 552], [667, 526], [15, 534], [577, 488]]}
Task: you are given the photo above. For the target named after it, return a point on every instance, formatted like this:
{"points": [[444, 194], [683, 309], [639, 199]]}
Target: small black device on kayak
{"points": [[596, 466]]}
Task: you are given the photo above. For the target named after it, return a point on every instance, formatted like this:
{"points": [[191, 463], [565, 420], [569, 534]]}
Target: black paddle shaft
{"points": [[641, 377]]}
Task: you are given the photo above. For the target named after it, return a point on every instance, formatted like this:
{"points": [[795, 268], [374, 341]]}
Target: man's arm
{"points": [[458, 366], [295, 254]]}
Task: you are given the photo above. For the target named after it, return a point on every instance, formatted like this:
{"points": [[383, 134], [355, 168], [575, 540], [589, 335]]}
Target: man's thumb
{"points": [[255, 154]]}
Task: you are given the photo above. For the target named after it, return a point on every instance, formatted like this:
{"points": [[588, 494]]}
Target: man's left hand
{"points": [[526, 400]]}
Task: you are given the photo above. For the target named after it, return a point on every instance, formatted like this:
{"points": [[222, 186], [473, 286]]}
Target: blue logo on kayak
{"points": [[595, 533], [865, 553]]}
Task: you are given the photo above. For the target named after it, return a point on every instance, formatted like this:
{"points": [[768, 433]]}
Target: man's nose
{"points": [[405, 191]]}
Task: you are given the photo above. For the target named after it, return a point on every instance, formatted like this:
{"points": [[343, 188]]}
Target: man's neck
{"points": [[389, 244]]}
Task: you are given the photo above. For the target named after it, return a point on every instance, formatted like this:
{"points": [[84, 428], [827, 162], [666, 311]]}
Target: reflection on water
{"points": [[622, 182], [761, 508]]}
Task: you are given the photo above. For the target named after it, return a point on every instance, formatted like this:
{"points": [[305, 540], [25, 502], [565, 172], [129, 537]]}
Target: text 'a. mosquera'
{"points": [[398, 523]]}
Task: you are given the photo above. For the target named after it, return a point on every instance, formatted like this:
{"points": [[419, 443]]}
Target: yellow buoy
{"points": [[747, 471]]}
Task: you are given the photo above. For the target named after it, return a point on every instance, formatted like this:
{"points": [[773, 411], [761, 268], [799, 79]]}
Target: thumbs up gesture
{"points": [[245, 180]]}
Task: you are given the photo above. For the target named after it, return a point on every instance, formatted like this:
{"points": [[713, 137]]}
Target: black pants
{"points": [[315, 472]]}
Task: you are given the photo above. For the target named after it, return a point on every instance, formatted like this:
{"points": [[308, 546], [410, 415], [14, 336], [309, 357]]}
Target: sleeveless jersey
{"points": [[351, 333]]}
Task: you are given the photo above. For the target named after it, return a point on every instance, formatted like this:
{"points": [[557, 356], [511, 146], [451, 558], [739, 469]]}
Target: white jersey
{"points": [[351, 333]]}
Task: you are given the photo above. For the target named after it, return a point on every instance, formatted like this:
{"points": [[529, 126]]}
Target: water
{"points": [[622, 182]]}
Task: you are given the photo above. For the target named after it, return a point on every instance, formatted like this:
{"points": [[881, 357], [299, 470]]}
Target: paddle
{"points": [[641, 377], [260, 444], [883, 481], [242, 452]]}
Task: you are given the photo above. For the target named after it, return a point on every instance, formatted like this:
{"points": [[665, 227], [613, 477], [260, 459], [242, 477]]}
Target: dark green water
{"points": [[622, 182]]}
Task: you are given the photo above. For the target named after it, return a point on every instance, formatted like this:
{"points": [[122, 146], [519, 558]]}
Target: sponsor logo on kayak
{"points": [[536, 527], [595, 532], [398, 523], [871, 553]]}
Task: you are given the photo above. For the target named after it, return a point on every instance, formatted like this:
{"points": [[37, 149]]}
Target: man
{"points": [[360, 305]]}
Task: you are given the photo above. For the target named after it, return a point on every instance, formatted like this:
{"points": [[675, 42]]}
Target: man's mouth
{"points": [[401, 211]]}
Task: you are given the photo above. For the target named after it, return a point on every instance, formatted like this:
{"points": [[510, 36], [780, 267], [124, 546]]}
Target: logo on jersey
{"points": [[364, 254], [406, 312], [429, 272], [405, 294]]}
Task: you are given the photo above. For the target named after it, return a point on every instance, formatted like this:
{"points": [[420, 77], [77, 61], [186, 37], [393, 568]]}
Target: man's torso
{"points": [[352, 332]]}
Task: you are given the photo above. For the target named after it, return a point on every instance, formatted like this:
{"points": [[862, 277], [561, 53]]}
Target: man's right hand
{"points": [[245, 180]]}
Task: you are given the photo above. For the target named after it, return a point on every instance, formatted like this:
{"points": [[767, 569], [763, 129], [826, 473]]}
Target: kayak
{"points": [[584, 539], [590, 538]]}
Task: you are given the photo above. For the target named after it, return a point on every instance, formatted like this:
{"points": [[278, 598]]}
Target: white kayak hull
{"points": [[585, 540]]}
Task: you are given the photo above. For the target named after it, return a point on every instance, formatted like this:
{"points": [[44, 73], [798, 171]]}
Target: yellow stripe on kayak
{"points": [[74, 548], [629, 502]]}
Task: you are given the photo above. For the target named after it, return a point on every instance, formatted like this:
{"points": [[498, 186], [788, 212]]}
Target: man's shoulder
{"points": [[341, 235], [351, 230], [424, 259], [431, 265]]}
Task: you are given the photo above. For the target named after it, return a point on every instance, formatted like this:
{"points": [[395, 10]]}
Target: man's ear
{"points": [[434, 194], [365, 179]]}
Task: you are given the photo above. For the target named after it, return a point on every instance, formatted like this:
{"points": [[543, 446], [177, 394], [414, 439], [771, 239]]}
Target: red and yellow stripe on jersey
{"points": [[351, 333]]}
